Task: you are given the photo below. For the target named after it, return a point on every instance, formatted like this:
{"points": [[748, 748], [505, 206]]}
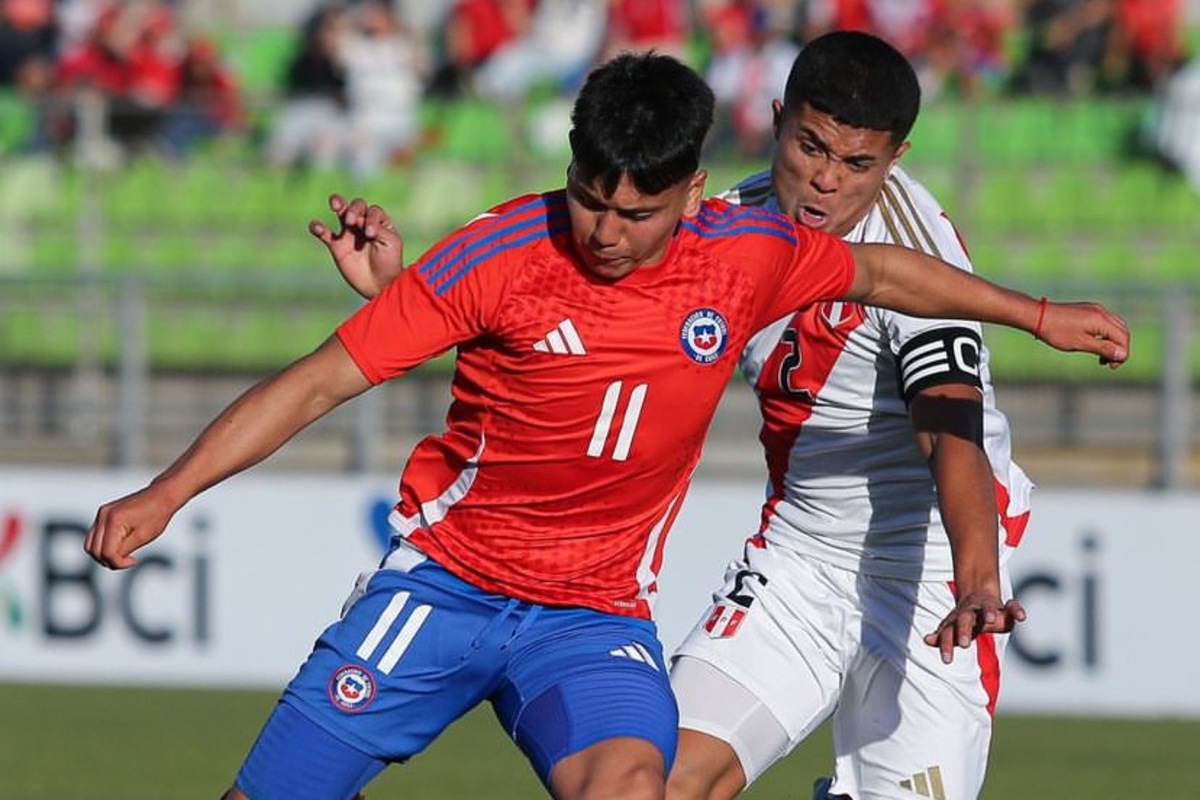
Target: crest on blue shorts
{"points": [[352, 688], [704, 334]]}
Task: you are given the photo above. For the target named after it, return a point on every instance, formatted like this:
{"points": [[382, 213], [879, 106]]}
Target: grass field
{"points": [[76, 743]]}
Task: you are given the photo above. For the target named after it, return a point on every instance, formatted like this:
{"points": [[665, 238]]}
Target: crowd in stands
{"points": [[361, 71]]}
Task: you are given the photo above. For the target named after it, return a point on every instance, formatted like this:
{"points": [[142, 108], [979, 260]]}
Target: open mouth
{"points": [[811, 217]]}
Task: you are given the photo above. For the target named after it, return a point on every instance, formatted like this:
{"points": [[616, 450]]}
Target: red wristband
{"points": [[1037, 329]]}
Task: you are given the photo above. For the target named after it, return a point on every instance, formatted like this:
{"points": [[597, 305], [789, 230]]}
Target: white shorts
{"points": [[806, 641]]}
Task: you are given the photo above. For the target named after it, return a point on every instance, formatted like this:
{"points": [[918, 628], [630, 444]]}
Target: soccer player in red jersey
{"points": [[596, 327]]}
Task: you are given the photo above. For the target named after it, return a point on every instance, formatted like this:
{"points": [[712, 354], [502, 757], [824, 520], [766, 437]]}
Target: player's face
{"points": [[827, 175], [617, 234]]}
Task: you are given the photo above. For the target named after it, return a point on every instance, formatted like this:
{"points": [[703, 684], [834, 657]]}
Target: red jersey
{"points": [[579, 405]]}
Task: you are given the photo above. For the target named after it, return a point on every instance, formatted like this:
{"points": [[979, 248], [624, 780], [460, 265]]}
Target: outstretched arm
{"points": [[905, 280], [246, 432], [367, 248], [948, 422]]}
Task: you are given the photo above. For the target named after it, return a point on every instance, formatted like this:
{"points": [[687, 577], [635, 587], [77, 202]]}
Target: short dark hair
{"points": [[644, 116], [858, 79]]}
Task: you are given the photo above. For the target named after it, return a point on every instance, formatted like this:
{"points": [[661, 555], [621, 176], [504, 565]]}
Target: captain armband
{"points": [[940, 356]]}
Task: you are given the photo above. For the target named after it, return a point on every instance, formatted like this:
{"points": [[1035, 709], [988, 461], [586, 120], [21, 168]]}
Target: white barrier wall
{"points": [[251, 571]]}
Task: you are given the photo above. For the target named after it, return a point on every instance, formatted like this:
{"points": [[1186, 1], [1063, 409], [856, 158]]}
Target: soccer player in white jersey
{"points": [[893, 500]]}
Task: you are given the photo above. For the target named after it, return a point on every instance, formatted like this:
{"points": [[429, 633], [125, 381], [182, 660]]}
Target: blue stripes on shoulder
{"points": [[538, 217], [719, 221], [755, 191]]}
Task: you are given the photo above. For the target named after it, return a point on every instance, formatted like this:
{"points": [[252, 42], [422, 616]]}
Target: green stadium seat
{"points": [[937, 134], [121, 253], [259, 56], [55, 253], [1049, 259], [182, 339], [1116, 259], [1006, 201], [1073, 199], [993, 259], [470, 129], [33, 336], [18, 120], [137, 196], [1178, 261]]}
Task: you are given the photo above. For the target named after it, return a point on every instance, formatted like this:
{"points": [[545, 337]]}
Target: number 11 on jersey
{"points": [[611, 406]]}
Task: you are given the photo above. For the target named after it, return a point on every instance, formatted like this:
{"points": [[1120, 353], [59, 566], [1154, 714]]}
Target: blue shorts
{"points": [[421, 648]]}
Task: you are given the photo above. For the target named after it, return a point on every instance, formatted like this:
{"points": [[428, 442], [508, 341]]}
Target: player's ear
{"points": [[901, 150], [776, 117], [695, 193]]}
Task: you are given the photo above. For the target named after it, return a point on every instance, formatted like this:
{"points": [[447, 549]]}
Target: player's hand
{"points": [[125, 525], [367, 248], [1085, 327], [975, 613]]}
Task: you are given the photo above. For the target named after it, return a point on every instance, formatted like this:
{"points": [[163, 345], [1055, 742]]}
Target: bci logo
{"points": [[1071, 588], [66, 595]]}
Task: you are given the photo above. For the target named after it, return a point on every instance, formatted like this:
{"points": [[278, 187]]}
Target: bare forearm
{"points": [[916, 284], [967, 501], [913, 283], [260, 421], [948, 422]]}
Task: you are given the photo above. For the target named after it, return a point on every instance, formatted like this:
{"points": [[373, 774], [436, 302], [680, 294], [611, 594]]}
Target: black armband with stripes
{"points": [[936, 357]]}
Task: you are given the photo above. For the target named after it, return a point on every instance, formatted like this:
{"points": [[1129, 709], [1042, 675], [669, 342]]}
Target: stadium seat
{"points": [[34, 335], [1115, 258], [1049, 259], [1178, 260], [18, 120], [258, 56], [1005, 201]]}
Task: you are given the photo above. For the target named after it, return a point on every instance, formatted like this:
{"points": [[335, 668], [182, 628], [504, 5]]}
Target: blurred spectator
{"points": [[906, 24], [209, 103], [1175, 128], [817, 17], [385, 71], [423, 18], [474, 30], [638, 25], [561, 43], [1066, 46], [77, 20], [965, 53], [310, 122], [747, 70], [1146, 44], [28, 35], [130, 61]]}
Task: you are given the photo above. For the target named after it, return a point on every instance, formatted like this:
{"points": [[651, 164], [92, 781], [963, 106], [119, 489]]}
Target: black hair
{"points": [[644, 116], [858, 79]]}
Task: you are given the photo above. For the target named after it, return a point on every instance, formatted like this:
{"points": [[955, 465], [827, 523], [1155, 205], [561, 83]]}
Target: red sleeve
{"points": [[421, 314], [822, 269]]}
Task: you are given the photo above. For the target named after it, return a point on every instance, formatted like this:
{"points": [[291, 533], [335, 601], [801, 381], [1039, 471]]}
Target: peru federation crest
{"points": [[704, 335]]}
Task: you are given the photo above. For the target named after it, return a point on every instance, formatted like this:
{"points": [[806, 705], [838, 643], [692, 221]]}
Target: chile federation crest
{"points": [[704, 335]]}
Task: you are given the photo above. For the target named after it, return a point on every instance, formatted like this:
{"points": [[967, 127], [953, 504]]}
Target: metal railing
{"points": [[124, 371]]}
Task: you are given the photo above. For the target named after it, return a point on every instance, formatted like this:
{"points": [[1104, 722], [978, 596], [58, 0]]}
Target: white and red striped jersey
{"points": [[847, 483], [579, 405]]}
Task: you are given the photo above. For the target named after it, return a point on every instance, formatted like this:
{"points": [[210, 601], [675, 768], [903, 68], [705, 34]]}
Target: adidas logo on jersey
{"points": [[563, 340], [637, 653], [926, 784]]}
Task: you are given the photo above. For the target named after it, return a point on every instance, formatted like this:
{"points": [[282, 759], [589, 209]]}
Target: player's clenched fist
{"points": [[125, 525]]}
